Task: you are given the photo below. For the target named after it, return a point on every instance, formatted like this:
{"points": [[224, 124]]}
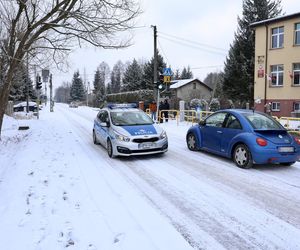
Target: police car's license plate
{"points": [[146, 145]]}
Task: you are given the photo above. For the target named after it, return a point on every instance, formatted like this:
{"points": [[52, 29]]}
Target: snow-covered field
{"points": [[58, 190]]}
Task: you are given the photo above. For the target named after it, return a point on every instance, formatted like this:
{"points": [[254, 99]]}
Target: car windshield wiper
{"points": [[138, 124]]}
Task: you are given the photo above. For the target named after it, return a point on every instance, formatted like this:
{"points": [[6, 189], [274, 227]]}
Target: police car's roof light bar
{"points": [[121, 105]]}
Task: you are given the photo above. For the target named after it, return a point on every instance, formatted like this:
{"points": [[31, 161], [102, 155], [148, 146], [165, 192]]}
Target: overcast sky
{"points": [[193, 33]]}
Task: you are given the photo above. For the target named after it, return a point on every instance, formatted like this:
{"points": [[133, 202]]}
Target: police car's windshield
{"points": [[130, 118]]}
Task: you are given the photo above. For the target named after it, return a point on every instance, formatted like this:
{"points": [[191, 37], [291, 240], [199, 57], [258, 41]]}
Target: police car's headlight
{"points": [[163, 135], [122, 137]]}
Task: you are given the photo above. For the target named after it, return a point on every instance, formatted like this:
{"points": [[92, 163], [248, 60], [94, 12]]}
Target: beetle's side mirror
{"points": [[202, 123]]}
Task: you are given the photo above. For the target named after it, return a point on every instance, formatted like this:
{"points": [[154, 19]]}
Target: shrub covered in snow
{"points": [[202, 103], [214, 105]]}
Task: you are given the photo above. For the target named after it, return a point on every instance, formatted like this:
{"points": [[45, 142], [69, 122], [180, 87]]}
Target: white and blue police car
{"points": [[125, 130]]}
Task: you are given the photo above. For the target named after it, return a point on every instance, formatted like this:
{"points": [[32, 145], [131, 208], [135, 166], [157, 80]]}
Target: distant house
{"points": [[189, 89]]}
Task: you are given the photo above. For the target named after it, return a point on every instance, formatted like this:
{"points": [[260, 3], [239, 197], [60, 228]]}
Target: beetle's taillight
{"points": [[261, 142]]}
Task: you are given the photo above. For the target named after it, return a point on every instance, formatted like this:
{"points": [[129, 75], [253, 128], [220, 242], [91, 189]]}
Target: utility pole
{"points": [[38, 93], [155, 54], [51, 101], [86, 86], [27, 84], [46, 94], [87, 93], [155, 68]]}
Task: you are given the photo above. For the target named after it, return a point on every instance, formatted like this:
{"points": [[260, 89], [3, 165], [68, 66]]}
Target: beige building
{"points": [[277, 65]]}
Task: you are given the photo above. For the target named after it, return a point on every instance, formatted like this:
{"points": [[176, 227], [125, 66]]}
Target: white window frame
{"points": [[275, 106], [296, 71], [297, 106], [277, 34], [297, 34], [276, 72]]}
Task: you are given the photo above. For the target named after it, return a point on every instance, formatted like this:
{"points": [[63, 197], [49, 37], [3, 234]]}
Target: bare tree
{"points": [[48, 29]]}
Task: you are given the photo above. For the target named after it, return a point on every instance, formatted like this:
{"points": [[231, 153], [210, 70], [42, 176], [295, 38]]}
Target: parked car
{"points": [[246, 136], [73, 105], [125, 130], [21, 107]]}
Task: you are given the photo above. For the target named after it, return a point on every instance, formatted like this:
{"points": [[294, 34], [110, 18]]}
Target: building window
{"points": [[277, 75], [277, 37], [297, 106], [297, 34], [194, 85], [275, 106], [296, 74]]}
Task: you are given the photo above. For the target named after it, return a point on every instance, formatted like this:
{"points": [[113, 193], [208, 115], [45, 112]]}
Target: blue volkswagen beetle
{"points": [[248, 137]]}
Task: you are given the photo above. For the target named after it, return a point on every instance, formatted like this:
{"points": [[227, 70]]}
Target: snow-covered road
{"points": [[152, 202]]}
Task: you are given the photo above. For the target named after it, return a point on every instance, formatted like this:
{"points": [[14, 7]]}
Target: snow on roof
{"points": [[179, 83], [275, 19], [24, 104]]}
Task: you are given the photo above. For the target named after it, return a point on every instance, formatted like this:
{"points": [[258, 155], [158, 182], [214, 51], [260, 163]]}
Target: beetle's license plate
{"points": [[146, 145], [286, 149]]}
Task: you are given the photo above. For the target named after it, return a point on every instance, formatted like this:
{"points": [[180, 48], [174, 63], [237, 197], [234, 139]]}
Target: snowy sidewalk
{"points": [[57, 192]]}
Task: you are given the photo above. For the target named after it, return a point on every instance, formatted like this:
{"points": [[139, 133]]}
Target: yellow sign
{"points": [[167, 79]]}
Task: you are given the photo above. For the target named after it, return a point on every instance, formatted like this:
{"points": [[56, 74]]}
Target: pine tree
{"points": [[215, 80], [108, 89], [96, 83], [148, 76], [133, 77], [62, 93], [239, 64], [77, 91], [116, 77], [112, 83], [177, 74], [186, 73], [22, 85], [100, 79]]}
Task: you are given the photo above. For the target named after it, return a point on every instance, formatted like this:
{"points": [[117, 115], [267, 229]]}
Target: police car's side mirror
{"points": [[104, 124]]}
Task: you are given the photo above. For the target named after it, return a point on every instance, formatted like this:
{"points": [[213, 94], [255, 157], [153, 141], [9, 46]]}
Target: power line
{"points": [[193, 46], [163, 52], [194, 42], [206, 67]]}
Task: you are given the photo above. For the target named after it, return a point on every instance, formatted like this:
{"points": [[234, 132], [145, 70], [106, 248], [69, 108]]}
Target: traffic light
{"points": [[38, 82], [160, 82], [161, 79], [159, 85]]}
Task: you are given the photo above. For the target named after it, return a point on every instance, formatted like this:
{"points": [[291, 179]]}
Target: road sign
{"points": [[45, 74], [167, 79], [167, 72]]}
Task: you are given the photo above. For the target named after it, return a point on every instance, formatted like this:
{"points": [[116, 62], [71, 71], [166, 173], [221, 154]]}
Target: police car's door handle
{"points": [[219, 132]]}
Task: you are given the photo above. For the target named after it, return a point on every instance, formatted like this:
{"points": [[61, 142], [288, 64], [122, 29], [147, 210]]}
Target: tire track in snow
{"points": [[234, 230], [154, 187], [108, 163]]}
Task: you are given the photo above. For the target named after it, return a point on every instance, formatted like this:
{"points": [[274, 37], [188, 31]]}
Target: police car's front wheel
{"points": [[109, 148], [95, 138]]}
